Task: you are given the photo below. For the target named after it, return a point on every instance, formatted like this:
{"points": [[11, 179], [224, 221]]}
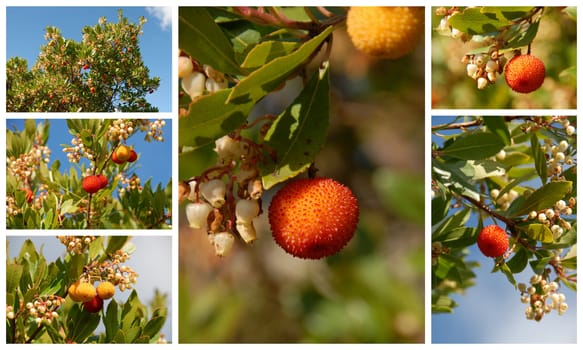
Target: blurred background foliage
{"points": [[555, 44], [373, 290]]}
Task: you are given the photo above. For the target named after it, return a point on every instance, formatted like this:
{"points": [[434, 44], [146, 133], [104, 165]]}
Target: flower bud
{"points": [[197, 214], [247, 231], [246, 210], [185, 66], [194, 84], [214, 192], [222, 241]]}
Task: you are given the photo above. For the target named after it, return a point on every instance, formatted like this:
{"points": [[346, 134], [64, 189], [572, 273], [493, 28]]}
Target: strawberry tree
{"points": [[232, 59], [95, 192], [44, 299], [491, 46], [507, 184], [104, 72]]}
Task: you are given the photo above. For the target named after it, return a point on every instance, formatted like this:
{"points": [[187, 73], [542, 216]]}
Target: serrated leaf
{"points": [[267, 78], [474, 21], [545, 197], [299, 132], [497, 126], [474, 146], [211, 117], [540, 232], [203, 39], [265, 52]]}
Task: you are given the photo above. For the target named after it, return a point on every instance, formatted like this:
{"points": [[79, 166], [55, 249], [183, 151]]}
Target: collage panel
{"points": [[88, 289], [89, 59], [301, 175], [488, 57], [88, 174], [504, 229]]}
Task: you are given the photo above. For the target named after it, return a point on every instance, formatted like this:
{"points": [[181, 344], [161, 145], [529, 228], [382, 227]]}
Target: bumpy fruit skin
{"points": [[525, 73], [493, 241], [386, 32], [105, 290], [123, 153], [313, 218], [94, 305], [91, 184], [115, 159], [133, 156], [102, 180], [72, 291], [85, 291]]}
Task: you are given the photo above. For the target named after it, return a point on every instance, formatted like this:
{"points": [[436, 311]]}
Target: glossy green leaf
{"points": [[514, 158], [545, 197], [524, 38], [540, 232], [439, 208], [474, 21], [451, 176], [299, 132], [540, 161], [154, 325], [111, 321], [267, 78], [203, 39], [267, 51], [497, 125], [211, 117], [509, 13], [194, 162], [519, 261], [474, 146], [456, 220]]}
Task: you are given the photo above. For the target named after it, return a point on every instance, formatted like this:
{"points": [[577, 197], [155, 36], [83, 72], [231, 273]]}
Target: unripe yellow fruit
{"points": [[85, 292], [105, 290], [73, 291], [385, 32], [123, 153]]}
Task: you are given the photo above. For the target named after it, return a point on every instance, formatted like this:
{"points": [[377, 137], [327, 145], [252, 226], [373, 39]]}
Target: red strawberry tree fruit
{"points": [[95, 192], [505, 60], [505, 187], [56, 302]]}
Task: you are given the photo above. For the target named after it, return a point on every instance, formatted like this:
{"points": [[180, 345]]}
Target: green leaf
{"points": [[540, 161], [518, 262], [154, 326], [13, 275], [545, 197], [299, 132], [474, 21], [111, 321], [497, 125], [451, 222], [114, 243], [474, 146], [439, 208], [505, 269], [203, 39], [443, 304], [481, 169], [211, 117], [267, 78], [451, 176], [265, 52], [540, 232], [85, 324], [524, 38]]}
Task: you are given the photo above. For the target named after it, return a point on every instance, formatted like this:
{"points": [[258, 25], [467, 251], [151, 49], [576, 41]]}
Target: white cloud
{"points": [[163, 14]]}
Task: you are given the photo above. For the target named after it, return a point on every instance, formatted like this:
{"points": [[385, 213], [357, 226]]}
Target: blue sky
{"points": [[491, 311], [25, 29], [154, 157], [153, 273]]}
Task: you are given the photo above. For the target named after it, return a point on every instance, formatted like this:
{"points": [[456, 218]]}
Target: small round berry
{"points": [[85, 291], [525, 73], [91, 184], [133, 156], [115, 159], [123, 153], [105, 290], [197, 214], [387, 32], [493, 241], [94, 305], [313, 218], [72, 292], [103, 180]]}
